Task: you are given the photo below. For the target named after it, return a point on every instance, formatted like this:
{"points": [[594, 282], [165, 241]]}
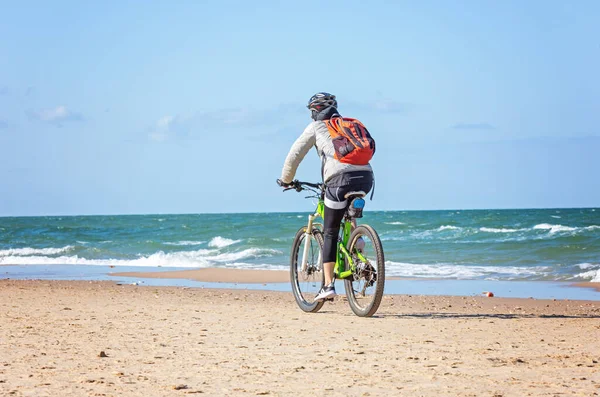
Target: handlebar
{"points": [[299, 185]]}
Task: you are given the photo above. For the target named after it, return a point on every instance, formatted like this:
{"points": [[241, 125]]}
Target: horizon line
{"points": [[296, 212]]}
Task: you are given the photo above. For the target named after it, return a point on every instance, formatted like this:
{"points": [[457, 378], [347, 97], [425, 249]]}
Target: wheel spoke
{"points": [[365, 287], [307, 283]]}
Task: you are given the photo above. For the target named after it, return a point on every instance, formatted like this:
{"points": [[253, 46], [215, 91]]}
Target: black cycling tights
{"points": [[331, 231]]}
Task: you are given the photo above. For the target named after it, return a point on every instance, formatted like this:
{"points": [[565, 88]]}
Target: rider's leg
{"points": [[331, 230], [328, 268], [335, 208]]}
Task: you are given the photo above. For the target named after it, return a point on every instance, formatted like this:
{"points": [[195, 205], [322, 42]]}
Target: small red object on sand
{"points": [[489, 294]]}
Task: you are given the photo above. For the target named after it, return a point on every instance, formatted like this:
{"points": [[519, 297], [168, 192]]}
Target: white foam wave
{"points": [[256, 266], [393, 238], [184, 243], [394, 223], [555, 216], [222, 242], [593, 227], [198, 258], [249, 253], [554, 228], [494, 230], [448, 270], [34, 251], [584, 266], [447, 227], [592, 274]]}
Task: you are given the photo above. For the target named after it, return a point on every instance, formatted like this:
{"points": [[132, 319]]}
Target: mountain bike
{"points": [[359, 257]]}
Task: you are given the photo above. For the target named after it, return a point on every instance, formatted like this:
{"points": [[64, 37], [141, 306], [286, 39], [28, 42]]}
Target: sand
{"points": [[593, 285], [74, 338], [215, 274], [219, 275]]}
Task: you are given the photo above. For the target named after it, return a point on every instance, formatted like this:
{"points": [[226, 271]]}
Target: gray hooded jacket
{"points": [[316, 134]]}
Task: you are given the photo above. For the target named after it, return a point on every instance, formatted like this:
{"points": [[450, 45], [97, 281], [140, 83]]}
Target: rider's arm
{"points": [[297, 152]]}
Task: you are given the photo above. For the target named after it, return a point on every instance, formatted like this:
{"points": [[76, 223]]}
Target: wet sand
{"points": [[220, 275], [594, 285], [79, 338], [216, 275]]}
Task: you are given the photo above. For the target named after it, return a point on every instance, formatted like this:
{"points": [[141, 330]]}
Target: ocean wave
{"points": [[554, 228], [560, 228], [222, 242], [447, 227], [454, 271], [184, 243], [250, 253], [555, 216], [584, 266], [255, 266], [494, 230], [35, 251], [393, 238], [593, 276], [394, 223], [592, 272], [198, 258]]}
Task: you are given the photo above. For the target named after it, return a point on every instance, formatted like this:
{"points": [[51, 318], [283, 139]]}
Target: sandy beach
{"points": [[76, 338], [216, 275]]}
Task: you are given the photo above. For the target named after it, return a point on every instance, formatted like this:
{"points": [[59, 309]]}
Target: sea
{"points": [[503, 245]]}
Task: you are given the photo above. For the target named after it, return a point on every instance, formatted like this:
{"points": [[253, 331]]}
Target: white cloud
{"points": [[164, 128], [165, 121], [281, 117], [56, 115]]}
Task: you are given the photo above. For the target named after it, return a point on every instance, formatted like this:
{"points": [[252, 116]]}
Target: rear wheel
{"points": [[307, 282], [364, 288]]}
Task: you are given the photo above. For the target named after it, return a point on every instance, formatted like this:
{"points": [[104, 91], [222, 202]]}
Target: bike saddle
{"points": [[355, 194]]}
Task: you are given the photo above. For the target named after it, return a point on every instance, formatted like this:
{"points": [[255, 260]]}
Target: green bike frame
{"points": [[342, 254]]}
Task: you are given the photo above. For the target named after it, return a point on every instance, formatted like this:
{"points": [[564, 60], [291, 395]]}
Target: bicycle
{"points": [[361, 265]]}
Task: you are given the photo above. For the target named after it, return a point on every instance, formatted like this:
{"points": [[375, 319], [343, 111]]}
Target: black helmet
{"points": [[321, 100]]}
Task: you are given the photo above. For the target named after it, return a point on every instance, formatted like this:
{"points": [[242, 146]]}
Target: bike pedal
{"points": [[328, 300]]}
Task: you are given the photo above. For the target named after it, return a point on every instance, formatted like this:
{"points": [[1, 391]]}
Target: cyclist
{"points": [[339, 178]]}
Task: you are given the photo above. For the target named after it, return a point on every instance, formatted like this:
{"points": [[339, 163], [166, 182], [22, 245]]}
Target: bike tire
{"points": [[369, 307], [301, 282]]}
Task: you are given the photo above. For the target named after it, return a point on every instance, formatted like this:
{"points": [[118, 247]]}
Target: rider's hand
{"points": [[283, 184]]}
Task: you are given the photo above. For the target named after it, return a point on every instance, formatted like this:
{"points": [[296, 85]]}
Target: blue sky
{"points": [[123, 107]]}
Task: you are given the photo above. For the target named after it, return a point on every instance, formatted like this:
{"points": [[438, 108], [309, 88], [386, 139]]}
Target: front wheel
{"points": [[364, 288], [307, 280]]}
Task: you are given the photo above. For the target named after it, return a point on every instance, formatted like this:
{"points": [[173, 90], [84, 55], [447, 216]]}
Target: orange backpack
{"points": [[352, 142]]}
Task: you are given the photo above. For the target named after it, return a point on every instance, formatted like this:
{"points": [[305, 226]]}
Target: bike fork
{"points": [[307, 238]]}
